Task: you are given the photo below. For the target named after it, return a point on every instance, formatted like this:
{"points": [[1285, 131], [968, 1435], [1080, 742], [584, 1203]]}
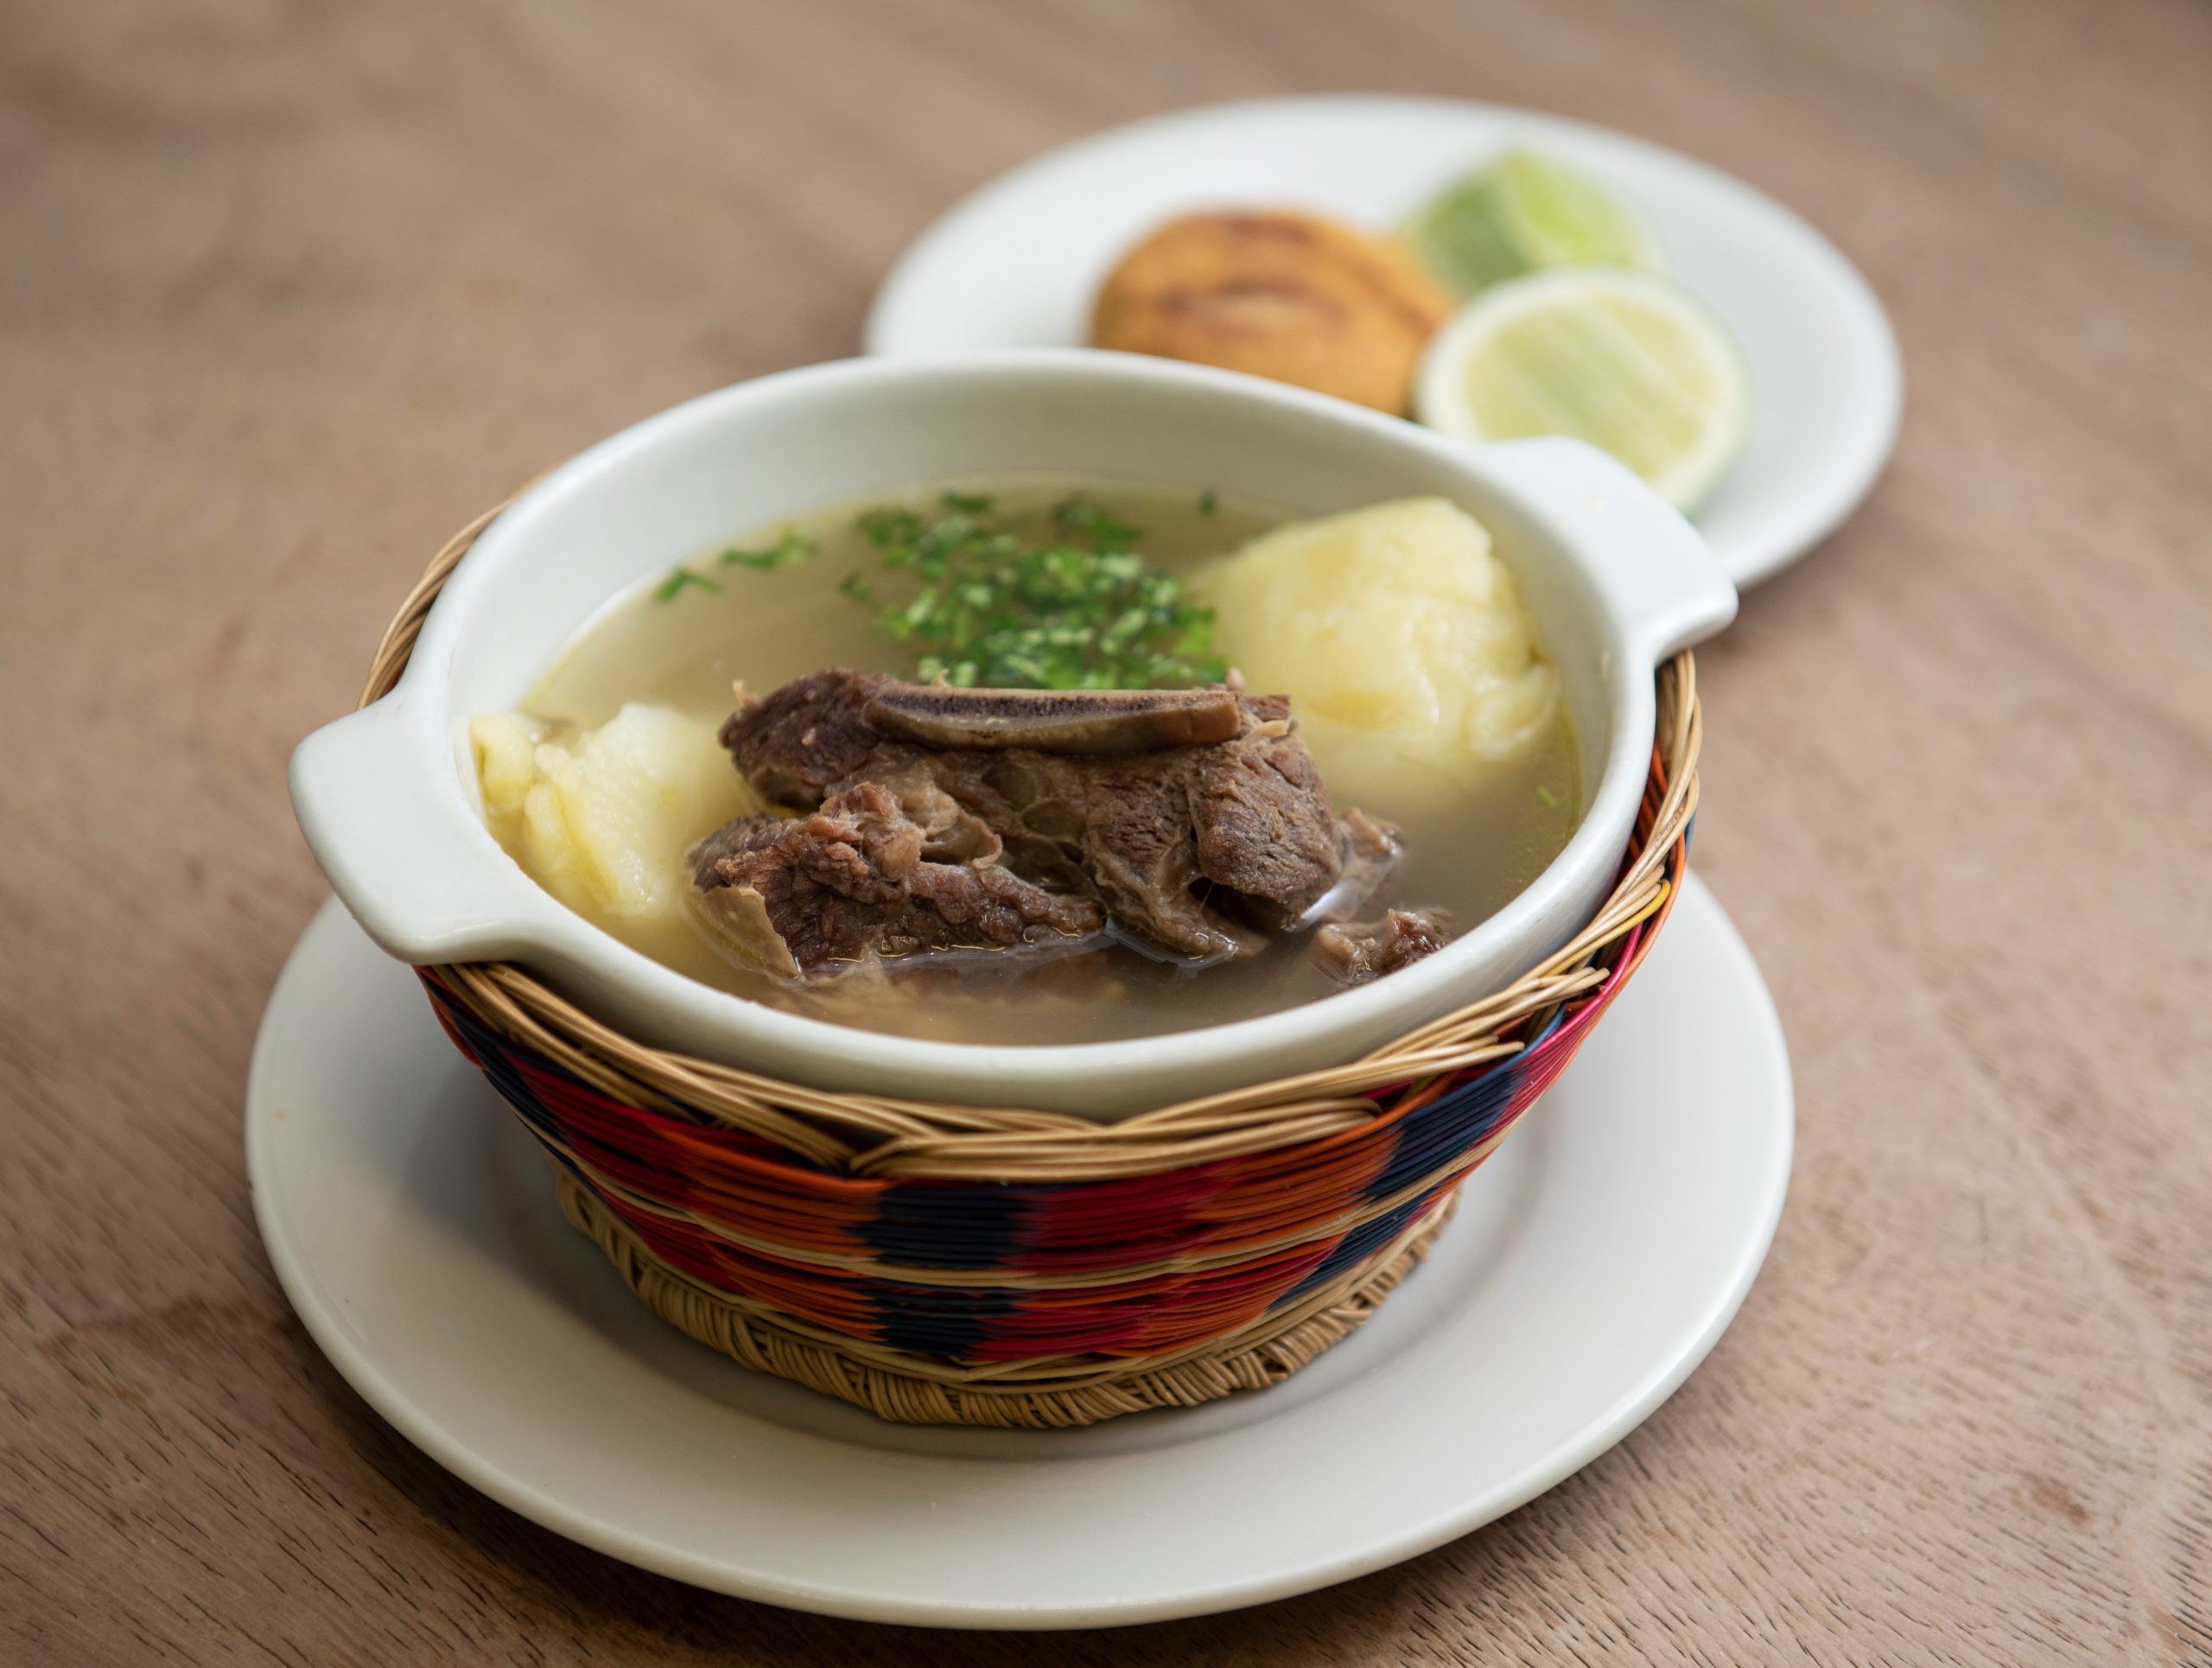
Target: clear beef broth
{"points": [[1465, 858]]}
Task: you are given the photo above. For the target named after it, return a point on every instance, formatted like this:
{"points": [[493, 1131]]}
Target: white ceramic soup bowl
{"points": [[1617, 580]]}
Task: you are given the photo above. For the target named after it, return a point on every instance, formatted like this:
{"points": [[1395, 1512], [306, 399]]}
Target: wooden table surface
{"points": [[287, 292]]}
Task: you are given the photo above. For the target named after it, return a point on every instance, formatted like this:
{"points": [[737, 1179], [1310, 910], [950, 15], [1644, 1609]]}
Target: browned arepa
{"points": [[1277, 293]]}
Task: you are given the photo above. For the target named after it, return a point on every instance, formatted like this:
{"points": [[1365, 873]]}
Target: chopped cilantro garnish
{"points": [[1079, 518], [1207, 502], [980, 605], [791, 548], [1545, 798], [890, 525], [680, 579]]}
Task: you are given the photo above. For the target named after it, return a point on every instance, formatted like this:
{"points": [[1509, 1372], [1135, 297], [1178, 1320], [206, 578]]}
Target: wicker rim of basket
{"points": [[884, 1138], [876, 1138]]}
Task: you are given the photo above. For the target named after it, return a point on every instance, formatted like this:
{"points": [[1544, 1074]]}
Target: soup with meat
{"points": [[1047, 761]]}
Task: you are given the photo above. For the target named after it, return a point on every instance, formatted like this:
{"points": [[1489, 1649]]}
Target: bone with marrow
{"points": [[1055, 720]]}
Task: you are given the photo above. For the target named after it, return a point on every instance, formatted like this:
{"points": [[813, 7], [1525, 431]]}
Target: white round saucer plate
{"points": [[1595, 1259], [1018, 263]]}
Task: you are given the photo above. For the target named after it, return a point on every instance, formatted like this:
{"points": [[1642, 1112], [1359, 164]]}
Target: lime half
{"points": [[1630, 363], [1522, 213]]}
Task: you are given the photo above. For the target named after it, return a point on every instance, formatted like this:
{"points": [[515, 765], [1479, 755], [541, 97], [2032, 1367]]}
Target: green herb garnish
{"points": [[1207, 502], [680, 579], [1545, 798], [980, 606], [791, 547]]}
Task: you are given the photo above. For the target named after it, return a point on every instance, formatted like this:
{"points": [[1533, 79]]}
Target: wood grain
{"points": [[287, 292]]}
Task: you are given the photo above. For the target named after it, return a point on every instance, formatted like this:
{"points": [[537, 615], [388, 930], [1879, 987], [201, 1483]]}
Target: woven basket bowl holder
{"points": [[1000, 1266]]}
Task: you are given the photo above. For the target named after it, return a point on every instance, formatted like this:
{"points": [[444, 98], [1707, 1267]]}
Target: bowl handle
{"points": [[384, 831], [1653, 569]]}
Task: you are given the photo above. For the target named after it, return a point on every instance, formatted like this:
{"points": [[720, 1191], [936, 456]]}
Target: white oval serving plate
{"points": [[1017, 264], [1593, 1263]]}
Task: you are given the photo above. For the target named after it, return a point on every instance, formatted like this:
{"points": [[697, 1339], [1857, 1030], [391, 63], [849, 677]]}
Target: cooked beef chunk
{"points": [[1356, 954], [1193, 846], [1262, 815], [798, 743], [861, 879]]}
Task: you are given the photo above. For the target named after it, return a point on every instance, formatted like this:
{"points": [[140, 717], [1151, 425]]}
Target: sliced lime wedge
{"points": [[1522, 212], [1628, 362]]}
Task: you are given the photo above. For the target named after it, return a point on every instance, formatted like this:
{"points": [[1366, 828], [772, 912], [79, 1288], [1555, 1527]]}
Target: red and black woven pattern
{"points": [[973, 1273]]}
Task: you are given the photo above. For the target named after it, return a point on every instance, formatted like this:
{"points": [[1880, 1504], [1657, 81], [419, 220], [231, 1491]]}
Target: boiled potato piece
{"points": [[602, 817], [1410, 657]]}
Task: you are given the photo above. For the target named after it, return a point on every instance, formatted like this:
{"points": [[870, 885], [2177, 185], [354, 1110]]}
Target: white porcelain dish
{"points": [[1617, 580], [1018, 263], [1593, 1262]]}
